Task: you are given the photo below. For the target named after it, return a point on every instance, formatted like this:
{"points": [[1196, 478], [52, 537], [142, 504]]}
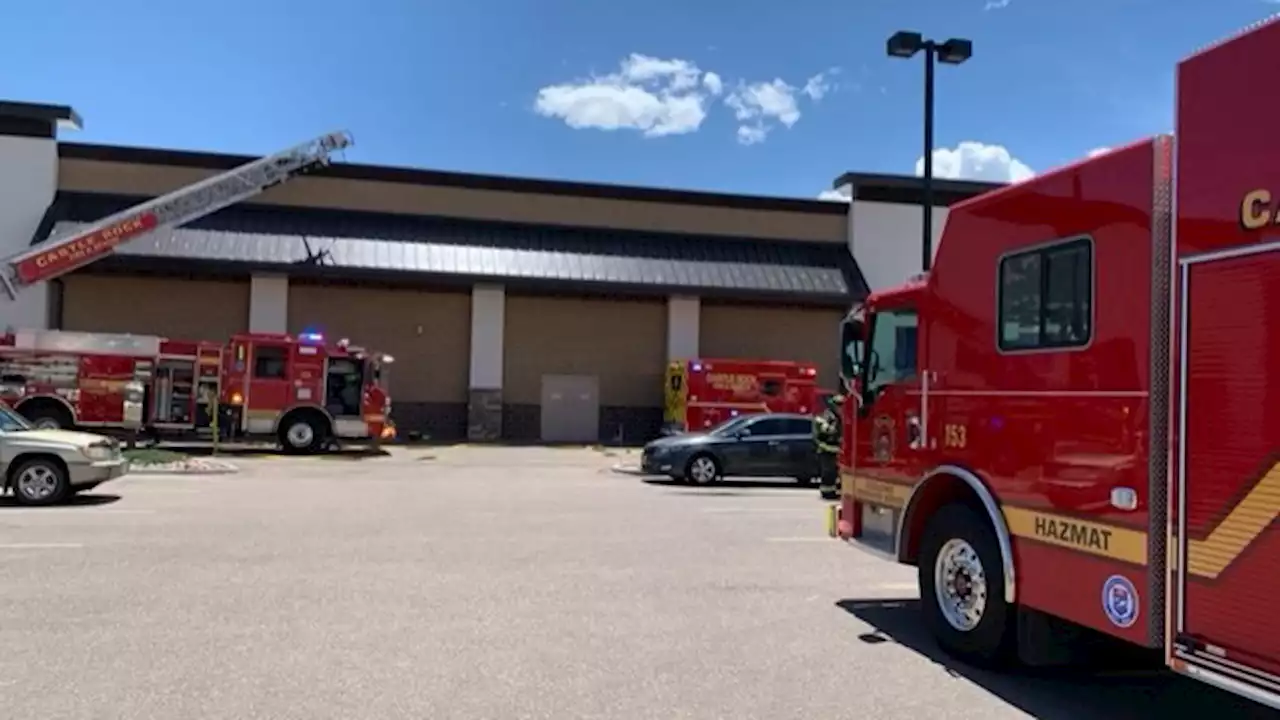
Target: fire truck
{"points": [[299, 389], [702, 393], [1069, 424]]}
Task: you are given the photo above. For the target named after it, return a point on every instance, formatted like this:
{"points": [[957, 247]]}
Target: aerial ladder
{"points": [[83, 245]]}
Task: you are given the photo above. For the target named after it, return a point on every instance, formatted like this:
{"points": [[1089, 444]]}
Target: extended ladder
{"points": [[84, 245]]}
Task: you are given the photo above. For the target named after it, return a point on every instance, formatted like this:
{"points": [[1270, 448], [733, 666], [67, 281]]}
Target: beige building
{"points": [[515, 308]]}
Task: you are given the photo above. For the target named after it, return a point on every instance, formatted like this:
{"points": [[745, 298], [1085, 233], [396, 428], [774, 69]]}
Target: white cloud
{"points": [[996, 4], [759, 106], [1098, 151], [818, 86], [654, 96], [712, 82], [841, 194], [660, 97], [752, 134], [972, 160]]}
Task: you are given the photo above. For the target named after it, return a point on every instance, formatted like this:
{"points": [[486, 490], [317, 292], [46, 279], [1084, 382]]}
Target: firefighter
{"points": [[827, 429]]}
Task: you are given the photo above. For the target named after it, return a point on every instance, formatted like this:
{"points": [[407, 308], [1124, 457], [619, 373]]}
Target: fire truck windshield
{"points": [[892, 357], [11, 421]]}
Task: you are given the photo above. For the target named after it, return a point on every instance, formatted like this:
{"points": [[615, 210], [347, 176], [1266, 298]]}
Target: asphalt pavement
{"points": [[485, 583]]}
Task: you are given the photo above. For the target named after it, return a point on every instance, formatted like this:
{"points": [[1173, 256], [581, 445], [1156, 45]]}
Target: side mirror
{"points": [[851, 340]]}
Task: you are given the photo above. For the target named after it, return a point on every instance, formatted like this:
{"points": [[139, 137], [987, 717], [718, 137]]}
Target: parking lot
{"points": [[483, 583]]}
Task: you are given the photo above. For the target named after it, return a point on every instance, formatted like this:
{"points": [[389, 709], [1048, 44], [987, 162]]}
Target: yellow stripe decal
{"points": [[1101, 539], [877, 492], [1246, 521], [1206, 558]]}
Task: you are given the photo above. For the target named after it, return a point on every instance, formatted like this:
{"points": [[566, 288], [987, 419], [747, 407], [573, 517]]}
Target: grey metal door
{"points": [[570, 408]]}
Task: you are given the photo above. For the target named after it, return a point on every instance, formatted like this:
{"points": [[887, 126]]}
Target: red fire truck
{"points": [[702, 393], [302, 391], [1090, 440]]}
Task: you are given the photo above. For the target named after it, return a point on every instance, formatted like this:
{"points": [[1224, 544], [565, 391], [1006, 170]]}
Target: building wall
{"points": [[428, 334], [761, 332], [185, 309], [885, 240], [28, 179], [820, 223], [621, 342]]}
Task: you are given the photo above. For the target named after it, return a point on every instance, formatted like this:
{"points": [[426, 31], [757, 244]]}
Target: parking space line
{"points": [[762, 511], [75, 510], [898, 586]]}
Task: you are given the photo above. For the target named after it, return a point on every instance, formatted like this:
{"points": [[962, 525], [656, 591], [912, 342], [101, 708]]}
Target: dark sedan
{"points": [[768, 445]]}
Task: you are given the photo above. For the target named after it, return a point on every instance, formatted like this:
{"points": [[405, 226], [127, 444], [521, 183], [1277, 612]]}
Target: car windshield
{"points": [[729, 425], [11, 421]]}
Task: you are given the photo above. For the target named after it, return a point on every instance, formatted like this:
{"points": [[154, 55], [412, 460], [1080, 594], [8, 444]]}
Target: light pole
{"points": [[905, 44]]}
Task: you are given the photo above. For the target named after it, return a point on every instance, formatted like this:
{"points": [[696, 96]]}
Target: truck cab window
{"points": [[1046, 297], [343, 385], [771, 387], [893, 348], [269, 363]]}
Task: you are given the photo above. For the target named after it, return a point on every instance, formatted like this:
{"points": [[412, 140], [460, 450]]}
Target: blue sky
{"points": [[492, 85]]}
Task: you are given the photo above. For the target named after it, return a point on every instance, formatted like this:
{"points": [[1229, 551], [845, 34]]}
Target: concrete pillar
{"points": [[28, 183], [269, 304], [684, 315], [488, 322]]}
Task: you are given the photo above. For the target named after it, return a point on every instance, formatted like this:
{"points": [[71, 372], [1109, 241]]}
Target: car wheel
{"points": [[702, 469], [962, 586], [40, 482]]}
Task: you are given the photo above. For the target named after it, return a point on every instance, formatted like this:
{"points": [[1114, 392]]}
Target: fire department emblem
{"points": [[1120, 601], [882, 439]]}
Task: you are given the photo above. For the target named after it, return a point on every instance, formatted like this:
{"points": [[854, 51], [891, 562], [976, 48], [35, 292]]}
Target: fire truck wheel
{"points": [[702, 469], [962, 586], [47, 415], [303, 433], [40, 481]]}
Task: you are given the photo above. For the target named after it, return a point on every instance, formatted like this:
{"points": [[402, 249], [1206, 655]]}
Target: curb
{"points": [[631, 470]]}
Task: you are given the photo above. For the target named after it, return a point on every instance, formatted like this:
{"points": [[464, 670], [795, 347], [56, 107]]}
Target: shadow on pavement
{"points": [[728, 487], [84, 500], [251, 451], [1121, 692]]}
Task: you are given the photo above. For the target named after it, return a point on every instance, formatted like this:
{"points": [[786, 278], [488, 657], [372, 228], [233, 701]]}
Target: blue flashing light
{"points": [[312, 338], [697, 367]]}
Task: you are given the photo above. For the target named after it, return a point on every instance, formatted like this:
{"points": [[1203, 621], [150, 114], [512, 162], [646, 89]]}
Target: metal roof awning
{"points": [[300, 243]]}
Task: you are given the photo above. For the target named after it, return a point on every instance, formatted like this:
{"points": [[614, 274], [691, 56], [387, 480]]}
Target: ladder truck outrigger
{"points": [[1070, 423], [303, 391]]}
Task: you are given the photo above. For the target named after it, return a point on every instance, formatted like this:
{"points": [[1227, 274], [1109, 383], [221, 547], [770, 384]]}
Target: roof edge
{"points": [[58, 211], [422, 176], [909, 189]]}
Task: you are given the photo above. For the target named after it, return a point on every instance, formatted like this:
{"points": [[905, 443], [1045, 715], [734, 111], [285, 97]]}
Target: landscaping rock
{"points": [[185, 466]]}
